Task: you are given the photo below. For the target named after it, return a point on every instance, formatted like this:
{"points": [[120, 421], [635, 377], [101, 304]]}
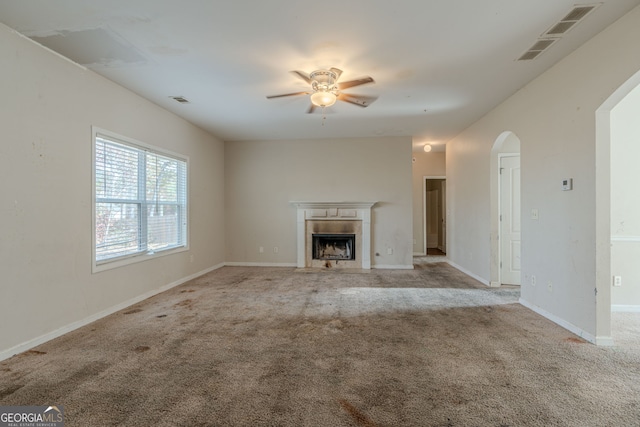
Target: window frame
{"points": [[142, 255]]}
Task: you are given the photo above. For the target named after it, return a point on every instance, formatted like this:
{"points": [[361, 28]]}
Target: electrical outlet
{"points": [[275, 249], [550, 286], [617, 280], [261, 249], [389, 251], [533, 280], [190, 258]]}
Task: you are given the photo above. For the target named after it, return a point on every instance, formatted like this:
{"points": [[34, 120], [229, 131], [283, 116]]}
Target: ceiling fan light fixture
{"points": [[323, 99]]}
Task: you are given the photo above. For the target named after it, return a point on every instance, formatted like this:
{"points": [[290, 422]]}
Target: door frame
{"points": [[424, 208]]}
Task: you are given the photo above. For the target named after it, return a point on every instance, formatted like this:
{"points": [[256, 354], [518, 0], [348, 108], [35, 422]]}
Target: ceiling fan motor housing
{"points": [[323, 81]]}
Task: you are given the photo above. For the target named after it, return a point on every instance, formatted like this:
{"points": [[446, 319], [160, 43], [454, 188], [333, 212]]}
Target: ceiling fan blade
{"points": [[359, 100], [357, 82], [311, 109], [287, 94], [304, 76], [338, 72]]}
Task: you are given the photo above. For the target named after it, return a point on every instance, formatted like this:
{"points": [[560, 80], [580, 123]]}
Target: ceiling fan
{"points": [[325, 89]]}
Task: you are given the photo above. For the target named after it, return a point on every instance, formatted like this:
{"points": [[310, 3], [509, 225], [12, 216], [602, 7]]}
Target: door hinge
{"points": [[501, 169]]}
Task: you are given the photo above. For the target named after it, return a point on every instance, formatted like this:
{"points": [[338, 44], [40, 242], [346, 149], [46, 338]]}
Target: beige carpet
{"points": [[282, 347]]}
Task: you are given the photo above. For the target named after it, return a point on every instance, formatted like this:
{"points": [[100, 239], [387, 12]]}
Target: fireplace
{"points": [[334, 246], [334, 234]]}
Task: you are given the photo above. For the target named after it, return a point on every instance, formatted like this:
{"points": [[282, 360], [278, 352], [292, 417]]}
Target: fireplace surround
{"points": [[343, 222]]}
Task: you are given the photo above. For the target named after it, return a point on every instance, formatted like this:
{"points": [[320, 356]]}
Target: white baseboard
{"points": [[494, 284], [468, 273], [5, 354], [603, 341], [260, 264], [625, 308], [392, 267]]}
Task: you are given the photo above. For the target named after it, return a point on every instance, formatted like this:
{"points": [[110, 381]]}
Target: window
{"points": [[140, 199]]}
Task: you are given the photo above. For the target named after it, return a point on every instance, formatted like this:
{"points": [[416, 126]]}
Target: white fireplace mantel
{"points": [[339, 205], [334, 211]]}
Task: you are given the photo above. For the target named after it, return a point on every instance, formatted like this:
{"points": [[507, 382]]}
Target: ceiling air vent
{"points": [[529, 55], [577, 14], [540, 46], [557, 30], [560, 28], [180, 99]]}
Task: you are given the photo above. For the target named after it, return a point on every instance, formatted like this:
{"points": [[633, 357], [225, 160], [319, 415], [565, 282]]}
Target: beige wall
{"points": [[426, 164], [47, 109], [263, 177], [555, 119], [625, 201]]}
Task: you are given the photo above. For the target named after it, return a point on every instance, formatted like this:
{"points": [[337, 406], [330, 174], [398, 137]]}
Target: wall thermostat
{"points": [[567, 184]]}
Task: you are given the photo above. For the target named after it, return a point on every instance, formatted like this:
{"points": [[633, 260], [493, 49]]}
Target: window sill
{"points": [[100, 266]]}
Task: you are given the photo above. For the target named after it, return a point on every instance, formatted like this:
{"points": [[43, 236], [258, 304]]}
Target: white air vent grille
{"points": [[540, 46], [560, 28], [557, 30], [578, 13], [180, 99], [529, 55]]}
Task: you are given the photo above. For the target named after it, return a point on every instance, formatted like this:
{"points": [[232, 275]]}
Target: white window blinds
{"points": [[140, 200]]}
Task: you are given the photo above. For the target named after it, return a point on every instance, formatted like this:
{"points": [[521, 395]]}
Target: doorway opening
{"points": [[618, 248], [435, 215]]}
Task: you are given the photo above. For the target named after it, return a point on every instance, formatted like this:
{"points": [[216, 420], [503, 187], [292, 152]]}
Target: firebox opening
{"points": [[334, 246]]}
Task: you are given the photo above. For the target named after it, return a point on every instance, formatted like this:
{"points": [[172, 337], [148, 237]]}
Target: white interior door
{"points": [[432, 219], [510, 220], [443, 216]]}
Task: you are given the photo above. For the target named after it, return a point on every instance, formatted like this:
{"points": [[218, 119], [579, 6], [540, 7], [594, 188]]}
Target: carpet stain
{"points": [[160, 316], [575, 340], [10, 390], [141, 349], [187, 290], [184, 303], [33, 353], [135, 310], [360, 418]]}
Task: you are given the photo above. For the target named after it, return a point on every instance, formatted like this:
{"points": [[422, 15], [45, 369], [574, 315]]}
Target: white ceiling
{"points": [[439, 65]]}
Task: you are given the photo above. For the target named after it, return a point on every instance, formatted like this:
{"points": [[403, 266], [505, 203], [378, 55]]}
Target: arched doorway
{"points": [[616, 237]]}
